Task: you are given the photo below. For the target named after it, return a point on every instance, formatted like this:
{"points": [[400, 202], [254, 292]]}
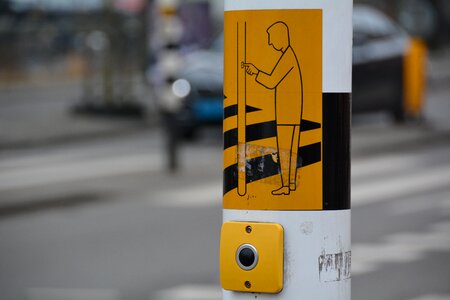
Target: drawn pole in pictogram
{"points": [[241, 99]]}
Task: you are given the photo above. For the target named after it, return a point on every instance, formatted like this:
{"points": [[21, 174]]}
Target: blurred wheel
{"points": [[399, 115], [399, 110], [189, 133]]}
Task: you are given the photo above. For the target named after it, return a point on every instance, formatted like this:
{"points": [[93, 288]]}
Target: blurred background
{"points": [[111, 149]]}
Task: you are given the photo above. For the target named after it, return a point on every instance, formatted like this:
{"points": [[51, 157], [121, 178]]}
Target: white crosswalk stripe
{"points": [[399, 177], [400, 248], [189, 292], [202, 195], [439, 202], [71, 294], [381, 183], [433, 297], [64, 172], [391, 163], [378, 179], [411, 183]]}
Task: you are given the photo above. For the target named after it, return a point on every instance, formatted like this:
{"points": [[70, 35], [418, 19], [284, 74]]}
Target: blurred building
{"points": [[56, 5], [41, 38]]}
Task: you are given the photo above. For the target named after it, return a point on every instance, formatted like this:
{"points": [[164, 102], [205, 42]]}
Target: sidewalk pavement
{"points": [[35, 115]]}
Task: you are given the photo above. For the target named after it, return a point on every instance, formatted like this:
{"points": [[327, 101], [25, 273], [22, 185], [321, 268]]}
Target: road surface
{"points": [[103, 219]]}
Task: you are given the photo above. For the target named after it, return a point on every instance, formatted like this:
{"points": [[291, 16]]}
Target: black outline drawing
{"points": [[285, 157]]}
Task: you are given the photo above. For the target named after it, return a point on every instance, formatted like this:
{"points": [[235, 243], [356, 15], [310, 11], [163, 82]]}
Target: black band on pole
{"points": [[336, 150]]}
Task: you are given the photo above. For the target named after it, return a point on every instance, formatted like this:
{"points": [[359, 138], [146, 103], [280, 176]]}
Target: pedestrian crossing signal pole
{"points": [[286, 202]]}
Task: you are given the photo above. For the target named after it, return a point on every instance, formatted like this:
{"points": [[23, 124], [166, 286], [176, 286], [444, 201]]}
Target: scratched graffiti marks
{"points": [[335, 267]]}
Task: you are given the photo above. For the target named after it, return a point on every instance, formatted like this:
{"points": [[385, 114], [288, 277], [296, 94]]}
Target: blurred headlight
{"points": [[181, 88]]}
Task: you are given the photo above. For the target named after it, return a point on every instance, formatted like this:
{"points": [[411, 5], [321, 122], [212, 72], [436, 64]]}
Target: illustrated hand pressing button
{"points": [[250, 68]]}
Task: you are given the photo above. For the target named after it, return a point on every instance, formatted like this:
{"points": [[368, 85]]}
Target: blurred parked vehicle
{"points": [[388, 74], [388, 66], [427, 19]]}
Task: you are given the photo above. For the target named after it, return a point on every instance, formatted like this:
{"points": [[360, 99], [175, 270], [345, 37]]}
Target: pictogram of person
{"points": [[286, 80]]}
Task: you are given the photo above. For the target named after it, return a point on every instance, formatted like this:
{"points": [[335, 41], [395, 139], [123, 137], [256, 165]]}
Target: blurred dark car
{"points": [[381, 57], [204, 104], [427, 19], [388, 66]]}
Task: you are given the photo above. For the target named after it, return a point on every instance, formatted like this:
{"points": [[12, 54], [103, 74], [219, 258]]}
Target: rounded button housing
{"points": [[247, 257]]}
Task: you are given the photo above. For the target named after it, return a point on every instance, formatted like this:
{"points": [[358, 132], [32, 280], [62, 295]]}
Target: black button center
{"points": [[246, 257]]}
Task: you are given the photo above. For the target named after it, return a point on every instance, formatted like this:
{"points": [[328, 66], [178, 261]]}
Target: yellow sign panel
{"points": [[273, 110]]}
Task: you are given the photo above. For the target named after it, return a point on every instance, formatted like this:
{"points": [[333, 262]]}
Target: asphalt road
{"points": [[104, 219]]}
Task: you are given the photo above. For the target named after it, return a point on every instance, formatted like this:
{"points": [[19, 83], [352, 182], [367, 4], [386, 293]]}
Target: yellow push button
{"points": [[251, 257]]}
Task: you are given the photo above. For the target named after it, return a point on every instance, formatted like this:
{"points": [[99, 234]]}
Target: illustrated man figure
{"points": [[286, 80]]}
